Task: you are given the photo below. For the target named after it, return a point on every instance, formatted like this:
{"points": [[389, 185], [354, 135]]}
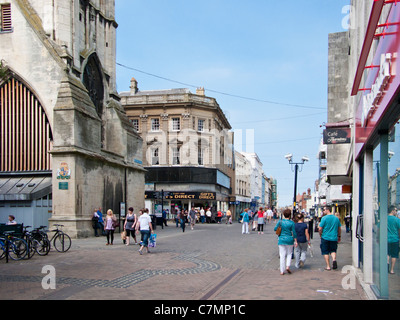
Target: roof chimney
{"points": [[200, 91], [134, 87]]}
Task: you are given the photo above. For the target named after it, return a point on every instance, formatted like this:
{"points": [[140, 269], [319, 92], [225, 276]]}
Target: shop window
{"points": [[393, 211], [6, 23]]}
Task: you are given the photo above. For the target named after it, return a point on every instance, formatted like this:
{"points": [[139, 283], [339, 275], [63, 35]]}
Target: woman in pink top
{"points": [[109, 227]]}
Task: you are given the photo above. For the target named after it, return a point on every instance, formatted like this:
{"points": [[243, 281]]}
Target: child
{"points": [[303, 240]]}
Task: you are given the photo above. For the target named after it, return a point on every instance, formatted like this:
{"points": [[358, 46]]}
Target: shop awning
{"points": [[24, 188]]}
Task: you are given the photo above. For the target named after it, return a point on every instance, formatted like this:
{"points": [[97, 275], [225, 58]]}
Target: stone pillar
{"points": [[85, 175]]}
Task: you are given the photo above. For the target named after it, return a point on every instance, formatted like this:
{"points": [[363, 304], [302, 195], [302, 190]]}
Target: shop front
{"points": [[173, 200], [377, 154]]}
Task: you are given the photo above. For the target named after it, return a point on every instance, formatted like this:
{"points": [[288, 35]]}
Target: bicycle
{"points": [[61, 240], [43, 244], [13, 247]]}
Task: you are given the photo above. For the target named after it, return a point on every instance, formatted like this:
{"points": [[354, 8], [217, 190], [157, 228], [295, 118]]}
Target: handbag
{"points": [[115, 223], [123, 235], [279, 230]]}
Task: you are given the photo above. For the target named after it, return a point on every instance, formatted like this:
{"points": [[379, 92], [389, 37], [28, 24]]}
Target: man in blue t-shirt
{"points": [[330, 230], [393, 238]]}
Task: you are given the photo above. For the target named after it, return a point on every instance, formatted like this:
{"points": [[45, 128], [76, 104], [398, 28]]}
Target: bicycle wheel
{"points": [[42, 247], [62, 242], [2, 250], [18, 249], [31, 248]]}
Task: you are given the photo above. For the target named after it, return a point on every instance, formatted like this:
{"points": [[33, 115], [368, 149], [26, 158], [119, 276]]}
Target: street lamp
{"points": [[298, 166]]}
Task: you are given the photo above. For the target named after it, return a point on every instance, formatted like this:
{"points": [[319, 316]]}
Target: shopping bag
{"points": [[152, 240], [310, 249]]}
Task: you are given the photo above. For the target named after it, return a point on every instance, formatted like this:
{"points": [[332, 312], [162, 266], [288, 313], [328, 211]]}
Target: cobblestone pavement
{"points": [[215, 262]]}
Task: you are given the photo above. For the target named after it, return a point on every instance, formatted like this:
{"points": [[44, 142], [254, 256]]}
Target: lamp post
{"points": [[296, 167]]}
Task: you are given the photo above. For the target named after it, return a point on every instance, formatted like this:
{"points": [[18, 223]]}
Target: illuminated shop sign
{"points": [[181, 195], [382, 82], [370, 101]]}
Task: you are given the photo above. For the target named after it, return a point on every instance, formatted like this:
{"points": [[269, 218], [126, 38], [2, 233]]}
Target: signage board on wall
{"points": [[382, 84], [337, 136], [182, 195]]}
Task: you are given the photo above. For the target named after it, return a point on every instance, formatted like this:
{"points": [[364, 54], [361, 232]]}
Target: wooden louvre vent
{"points": [[25, 131], [6, 24]]}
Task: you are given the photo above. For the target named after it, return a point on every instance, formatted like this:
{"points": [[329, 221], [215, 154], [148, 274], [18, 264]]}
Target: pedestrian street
{"points": [[211, 262]]}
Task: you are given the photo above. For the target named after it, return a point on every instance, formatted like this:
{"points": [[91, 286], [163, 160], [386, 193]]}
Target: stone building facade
{"points": [[188, 147], [61, 83]]}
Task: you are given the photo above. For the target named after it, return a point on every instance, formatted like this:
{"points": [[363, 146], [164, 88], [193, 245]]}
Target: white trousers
{"points": [[285, 253], [245, 227]]}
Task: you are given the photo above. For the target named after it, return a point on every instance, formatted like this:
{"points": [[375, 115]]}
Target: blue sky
{"points": [[274, 51]]}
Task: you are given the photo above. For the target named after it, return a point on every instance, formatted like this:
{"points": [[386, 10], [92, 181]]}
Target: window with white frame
{"points": [[176, 124], [201, 156], [200, 125], [155, 124], [135, 123], [155, 160], [176, 156], [5, 17]]}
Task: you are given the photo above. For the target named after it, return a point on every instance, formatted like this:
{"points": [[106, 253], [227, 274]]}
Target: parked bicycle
{"points": [[12, 247], [40, 236], [35, 245], [61, 241]]}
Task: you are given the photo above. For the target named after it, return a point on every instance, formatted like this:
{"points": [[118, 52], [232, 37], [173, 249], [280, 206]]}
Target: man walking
{"points": [[192, 218], [330, 230]]}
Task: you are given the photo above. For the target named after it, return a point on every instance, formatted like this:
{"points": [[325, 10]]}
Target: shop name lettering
{"points": [[207, 196], [333, 137], [371, 100], [202, 196]]}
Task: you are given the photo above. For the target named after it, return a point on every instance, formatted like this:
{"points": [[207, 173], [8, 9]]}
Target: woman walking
{"points": [[303, 241], [287, 239], [130, 226], [245, 222], [261, 221], [109, 227]]}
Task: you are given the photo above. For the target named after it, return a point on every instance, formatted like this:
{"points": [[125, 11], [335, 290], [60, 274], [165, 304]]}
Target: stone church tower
{"points": [[61, 88]]}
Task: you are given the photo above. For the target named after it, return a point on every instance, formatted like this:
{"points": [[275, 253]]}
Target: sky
{"points": [[264, 61]]}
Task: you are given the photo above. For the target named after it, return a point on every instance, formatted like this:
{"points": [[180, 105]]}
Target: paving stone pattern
{"points": [[214, 262]]}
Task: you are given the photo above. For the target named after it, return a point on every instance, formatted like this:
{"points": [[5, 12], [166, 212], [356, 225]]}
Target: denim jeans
{"points": [[145, 237]]}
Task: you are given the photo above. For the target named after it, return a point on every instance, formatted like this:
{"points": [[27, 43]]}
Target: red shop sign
{"points": [[383, 81]]}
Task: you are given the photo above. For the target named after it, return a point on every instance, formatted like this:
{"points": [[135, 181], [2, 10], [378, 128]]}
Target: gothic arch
{"points": [[25, 131], [93, 80]]}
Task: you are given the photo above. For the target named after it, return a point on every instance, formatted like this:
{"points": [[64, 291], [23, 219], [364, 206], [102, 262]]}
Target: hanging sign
{"points": [[337, 136]]}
